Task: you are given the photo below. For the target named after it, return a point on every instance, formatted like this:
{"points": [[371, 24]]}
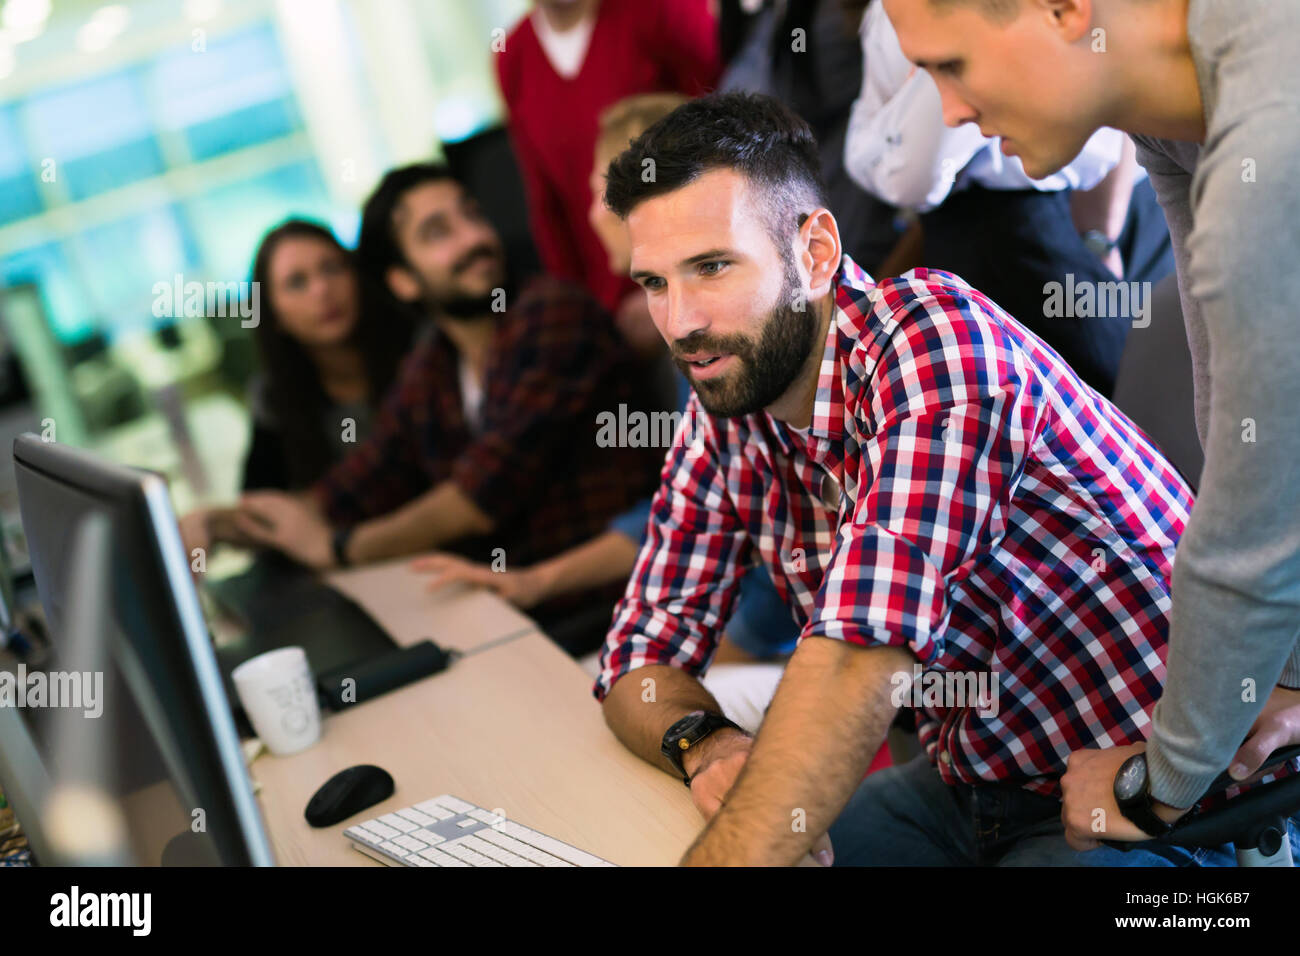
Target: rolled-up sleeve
{"points": [[687, 575]]}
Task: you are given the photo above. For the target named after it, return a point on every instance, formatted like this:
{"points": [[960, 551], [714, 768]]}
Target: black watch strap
{"points": [[339, 544], [689, 732], [1144, 817]]}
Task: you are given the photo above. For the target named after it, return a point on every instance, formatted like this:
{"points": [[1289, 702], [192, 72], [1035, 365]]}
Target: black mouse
{"points": [[347, 792]]}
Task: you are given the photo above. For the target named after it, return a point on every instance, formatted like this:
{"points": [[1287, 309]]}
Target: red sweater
{"points": [[637, 46]]}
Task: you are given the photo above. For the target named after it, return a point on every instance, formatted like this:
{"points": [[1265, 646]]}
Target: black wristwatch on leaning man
{"points": [[689, 732], [1133, 796], [339, 545]]}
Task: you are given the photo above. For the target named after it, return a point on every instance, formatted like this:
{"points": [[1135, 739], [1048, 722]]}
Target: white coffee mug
{"points": [[279, 696]]}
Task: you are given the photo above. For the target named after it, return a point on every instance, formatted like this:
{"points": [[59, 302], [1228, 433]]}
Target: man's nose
{"points": [[477, 232], [682, 316], [956, 111]]}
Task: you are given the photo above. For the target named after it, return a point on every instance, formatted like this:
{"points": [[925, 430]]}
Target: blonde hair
{"points": [[630, 117]]}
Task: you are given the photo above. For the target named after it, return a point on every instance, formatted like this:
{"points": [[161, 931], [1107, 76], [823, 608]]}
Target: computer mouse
{"points": [[347, 792]]}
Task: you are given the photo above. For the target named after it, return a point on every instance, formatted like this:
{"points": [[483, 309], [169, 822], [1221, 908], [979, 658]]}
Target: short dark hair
{"points": [[753, 134], [377, 247]]}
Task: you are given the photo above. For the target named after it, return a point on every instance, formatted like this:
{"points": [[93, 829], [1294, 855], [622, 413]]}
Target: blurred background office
{"points": [[150, 144]]}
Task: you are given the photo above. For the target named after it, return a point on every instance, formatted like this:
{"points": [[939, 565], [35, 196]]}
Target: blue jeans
{"points": [[907, 816]]}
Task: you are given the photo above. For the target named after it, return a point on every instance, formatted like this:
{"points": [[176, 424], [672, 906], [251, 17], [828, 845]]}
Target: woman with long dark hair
{"points": [[328, 349]]}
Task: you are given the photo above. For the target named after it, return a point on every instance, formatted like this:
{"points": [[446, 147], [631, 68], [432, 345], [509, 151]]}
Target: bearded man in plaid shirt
{"points": [[934, 492]]}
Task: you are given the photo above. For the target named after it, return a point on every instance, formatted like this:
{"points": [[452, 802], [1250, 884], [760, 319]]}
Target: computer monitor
{"points": [[162, 762]]}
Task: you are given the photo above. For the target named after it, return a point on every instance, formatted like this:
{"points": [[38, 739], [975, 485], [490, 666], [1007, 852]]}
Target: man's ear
{"points": [[820, 237], [402, 283], [1071, 19]]}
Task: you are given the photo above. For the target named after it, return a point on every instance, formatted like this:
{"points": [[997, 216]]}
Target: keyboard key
{"points": [[410, 842], [554, 847], [494, 852], [439, 858], [520, 849], [468, 855], [407, 835], [393, 820], [433, 809], [451, 803], [363, 836], [415, 816]]}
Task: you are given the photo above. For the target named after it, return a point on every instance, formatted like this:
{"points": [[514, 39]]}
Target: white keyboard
{"points": [[446, 831]]}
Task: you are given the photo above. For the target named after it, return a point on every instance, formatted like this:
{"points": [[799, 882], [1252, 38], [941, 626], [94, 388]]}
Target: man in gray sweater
{"points": [[1210, 91]]}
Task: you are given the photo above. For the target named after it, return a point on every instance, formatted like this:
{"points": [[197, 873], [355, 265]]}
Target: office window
{"points": [[123, 260], [19, 196], [226, 242], [233, 94], [227, 113], [100, 132]]}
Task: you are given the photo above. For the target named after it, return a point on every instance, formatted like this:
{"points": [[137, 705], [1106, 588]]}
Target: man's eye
{"points": [[712, 268], [652, 284], [949, 68]]}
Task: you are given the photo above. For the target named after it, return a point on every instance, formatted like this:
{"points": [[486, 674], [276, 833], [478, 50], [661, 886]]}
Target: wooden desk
{"points": [[452, 617], [513, 728]]}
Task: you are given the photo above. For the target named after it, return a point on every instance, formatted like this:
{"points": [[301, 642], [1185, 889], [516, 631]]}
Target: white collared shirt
{"points": [[899, 149]]}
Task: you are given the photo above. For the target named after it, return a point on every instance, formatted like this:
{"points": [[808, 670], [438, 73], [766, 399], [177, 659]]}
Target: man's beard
{"points": [[459, 305], [766, 370], [467, 306]]}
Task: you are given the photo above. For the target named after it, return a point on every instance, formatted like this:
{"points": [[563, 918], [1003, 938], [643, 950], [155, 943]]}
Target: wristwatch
{"points": [[1133, 796], [339, 545], [1098, 243], [687, 733]]}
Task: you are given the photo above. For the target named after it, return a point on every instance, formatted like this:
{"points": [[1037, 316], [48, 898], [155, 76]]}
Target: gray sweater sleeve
{"points": [[1236, 581]]}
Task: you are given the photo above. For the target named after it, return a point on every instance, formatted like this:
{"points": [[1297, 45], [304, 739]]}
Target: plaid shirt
{"points": [[534, 465], [960, 493]]}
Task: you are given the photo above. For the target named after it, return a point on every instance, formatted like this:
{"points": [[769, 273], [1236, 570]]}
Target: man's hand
{"points": [[1278, 725], [195, 534], [523, 588], [1088, 787], [713, 767], [272, 519]]}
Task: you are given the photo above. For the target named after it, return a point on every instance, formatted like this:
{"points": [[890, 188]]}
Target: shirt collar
{"points": [[851, 302]]}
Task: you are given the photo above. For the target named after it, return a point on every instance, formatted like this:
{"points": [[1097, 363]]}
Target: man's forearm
{"points": [[1105, 206], [602, 560], [830, 715], [432, 520], [644, 703]]}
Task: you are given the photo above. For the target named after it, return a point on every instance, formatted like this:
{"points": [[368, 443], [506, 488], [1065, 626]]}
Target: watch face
{"points": [[1131, 780], [685, 725]]}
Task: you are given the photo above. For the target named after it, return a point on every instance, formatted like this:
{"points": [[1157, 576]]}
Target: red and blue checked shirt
{"points": [[960, 493]]}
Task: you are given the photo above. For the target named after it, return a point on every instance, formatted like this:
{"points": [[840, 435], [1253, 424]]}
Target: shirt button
{"points": [[945, 758], [830, 492]]}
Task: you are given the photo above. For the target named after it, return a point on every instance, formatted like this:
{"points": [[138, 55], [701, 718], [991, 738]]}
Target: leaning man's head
{"points": [[719, 198]]}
